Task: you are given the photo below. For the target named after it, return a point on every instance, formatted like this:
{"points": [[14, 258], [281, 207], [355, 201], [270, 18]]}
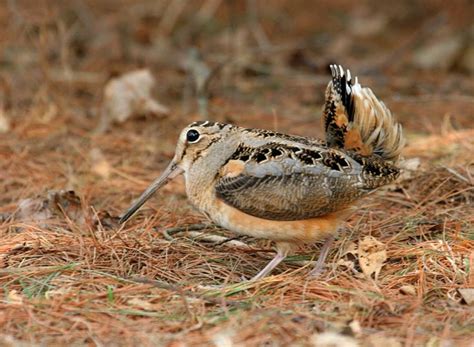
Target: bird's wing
{"points": [[284, 182]]}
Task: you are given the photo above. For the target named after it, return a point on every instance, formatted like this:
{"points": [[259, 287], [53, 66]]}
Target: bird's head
{"points": [[194, 143]]}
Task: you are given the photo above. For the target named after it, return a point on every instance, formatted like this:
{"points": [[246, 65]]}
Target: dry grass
{"points": [[69, 274]]}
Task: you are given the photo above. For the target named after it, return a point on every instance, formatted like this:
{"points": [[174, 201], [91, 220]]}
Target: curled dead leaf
{"points": [[372, 255], [467, 295], [350, 260], [128, 95]]}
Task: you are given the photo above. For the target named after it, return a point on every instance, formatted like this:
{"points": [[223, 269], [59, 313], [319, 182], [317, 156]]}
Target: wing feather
{"points": [[284, 188]]}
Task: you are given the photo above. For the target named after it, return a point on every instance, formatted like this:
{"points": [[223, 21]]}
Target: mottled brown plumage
{"points": [[286, 188]]}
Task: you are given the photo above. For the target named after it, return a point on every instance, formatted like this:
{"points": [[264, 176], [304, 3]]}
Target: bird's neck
{"points": [[202, 174]]}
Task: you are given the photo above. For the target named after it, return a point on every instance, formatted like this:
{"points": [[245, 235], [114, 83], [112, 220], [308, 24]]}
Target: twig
{"points": [[171, 15], [188, 293], [202, 75], [217, 239], [458, 175], [194, 232], [189, 227], [256, 27]]}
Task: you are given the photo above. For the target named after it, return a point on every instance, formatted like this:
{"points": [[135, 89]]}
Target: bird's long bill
{"points": [[170, 172]]}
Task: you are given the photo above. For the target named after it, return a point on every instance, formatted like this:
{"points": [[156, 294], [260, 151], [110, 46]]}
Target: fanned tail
{"points": [[354, 119]]}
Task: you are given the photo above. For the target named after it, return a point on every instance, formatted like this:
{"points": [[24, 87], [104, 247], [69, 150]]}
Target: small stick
{"points": [[189, 227], [187, 293]]}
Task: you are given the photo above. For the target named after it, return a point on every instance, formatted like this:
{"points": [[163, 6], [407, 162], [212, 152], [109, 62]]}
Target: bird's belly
{"points": [[308, 230]]}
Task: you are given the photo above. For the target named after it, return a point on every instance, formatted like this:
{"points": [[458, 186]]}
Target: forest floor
{"points": [[71, 275]]}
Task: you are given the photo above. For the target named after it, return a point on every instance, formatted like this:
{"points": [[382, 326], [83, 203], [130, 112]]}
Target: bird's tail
{"points": [[354, 119]]}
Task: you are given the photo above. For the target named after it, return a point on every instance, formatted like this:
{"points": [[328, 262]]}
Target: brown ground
{"points": [[70, 275]]}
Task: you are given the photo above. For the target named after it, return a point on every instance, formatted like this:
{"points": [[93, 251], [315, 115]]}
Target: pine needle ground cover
{"points": [[70, 274]]}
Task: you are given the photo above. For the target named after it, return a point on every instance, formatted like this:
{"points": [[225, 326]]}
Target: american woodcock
{"points": [[286, 188]]}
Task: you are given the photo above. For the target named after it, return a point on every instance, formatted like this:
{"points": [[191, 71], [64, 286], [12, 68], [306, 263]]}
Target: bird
{"points": [[290, 189]]}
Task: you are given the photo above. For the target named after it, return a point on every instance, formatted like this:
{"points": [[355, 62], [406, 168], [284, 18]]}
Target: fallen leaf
{"points": [[467, 295], [55, 204], [34, 210], [372, 255], [128, 95], [350, 260], [408, 290]]}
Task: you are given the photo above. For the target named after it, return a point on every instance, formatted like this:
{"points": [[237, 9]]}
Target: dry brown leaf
{"points": [[408, 290], [467, 295], [56, 203], [372, 255], [34, 210], [128, 95], [350, 259]]}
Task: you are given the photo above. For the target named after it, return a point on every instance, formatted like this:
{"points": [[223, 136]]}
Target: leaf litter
{"points": [[82, 279]]}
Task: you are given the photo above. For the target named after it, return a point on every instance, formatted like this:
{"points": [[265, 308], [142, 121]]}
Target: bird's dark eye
{"points": [[192, 136]]}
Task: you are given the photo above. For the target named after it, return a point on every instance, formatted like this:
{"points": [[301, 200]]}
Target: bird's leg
{"points": [[318, 268], [283, 249]]}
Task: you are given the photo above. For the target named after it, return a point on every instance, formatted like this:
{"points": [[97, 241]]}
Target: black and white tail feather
{"points": [[354, 119]]}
